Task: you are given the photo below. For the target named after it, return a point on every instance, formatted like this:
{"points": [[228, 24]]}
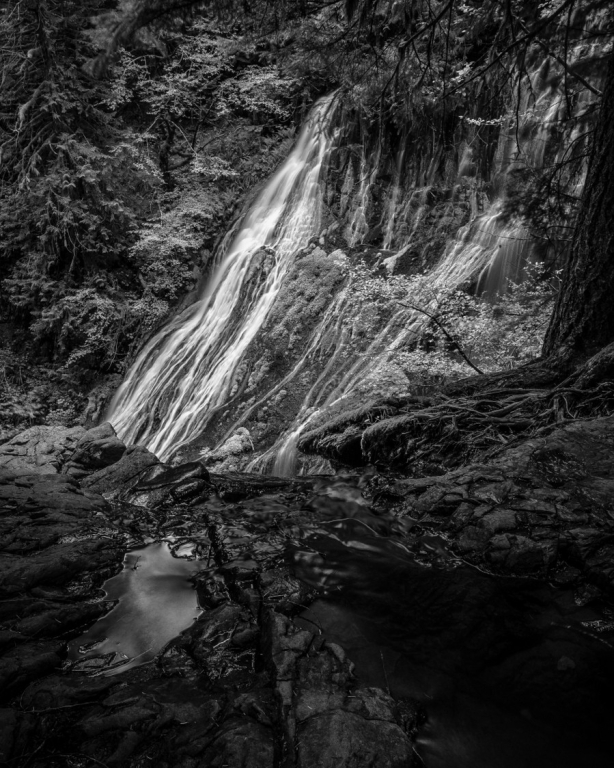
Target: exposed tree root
{"points": [[471, 419]]}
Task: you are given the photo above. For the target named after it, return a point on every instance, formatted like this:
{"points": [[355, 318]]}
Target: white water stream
{"points": [[187, 369], [186, 373], [491, 250]]}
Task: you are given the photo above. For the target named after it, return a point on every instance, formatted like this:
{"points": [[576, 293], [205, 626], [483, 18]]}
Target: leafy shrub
{"points": [[495, 335]]}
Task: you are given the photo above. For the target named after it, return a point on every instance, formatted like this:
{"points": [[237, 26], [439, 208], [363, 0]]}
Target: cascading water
{"points": [[357, 227], [491, 250], [344, 360], [186, 370], [189, 371]]}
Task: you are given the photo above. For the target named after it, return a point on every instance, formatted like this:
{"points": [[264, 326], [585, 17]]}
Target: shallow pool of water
{"points": [[157, 601]]}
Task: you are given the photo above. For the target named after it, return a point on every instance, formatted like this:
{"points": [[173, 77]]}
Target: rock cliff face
{"points": [[345, 620]]}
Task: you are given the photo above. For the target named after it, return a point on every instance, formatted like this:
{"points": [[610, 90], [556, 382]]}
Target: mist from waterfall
{"points": [[186, 370]]}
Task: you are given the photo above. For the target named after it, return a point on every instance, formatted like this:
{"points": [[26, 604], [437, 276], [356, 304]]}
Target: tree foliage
{"points": [[73, 184], [94, 247]]}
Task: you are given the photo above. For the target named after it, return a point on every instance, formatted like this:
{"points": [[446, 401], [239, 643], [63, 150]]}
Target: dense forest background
{"points": [[135, 133]]}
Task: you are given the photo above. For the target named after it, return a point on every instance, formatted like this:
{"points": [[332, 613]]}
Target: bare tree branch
{"points": [[448, 335]]}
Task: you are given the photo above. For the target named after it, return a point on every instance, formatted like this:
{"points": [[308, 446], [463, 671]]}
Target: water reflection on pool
{"points": [[156, 602]]}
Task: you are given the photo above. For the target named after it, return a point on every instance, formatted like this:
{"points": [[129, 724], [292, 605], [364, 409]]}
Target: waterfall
{"points": [[187, 369], [188, 372], [490, 251]]}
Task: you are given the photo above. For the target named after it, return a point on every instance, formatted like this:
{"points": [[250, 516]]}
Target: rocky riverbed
{"points": [[366, 619]]}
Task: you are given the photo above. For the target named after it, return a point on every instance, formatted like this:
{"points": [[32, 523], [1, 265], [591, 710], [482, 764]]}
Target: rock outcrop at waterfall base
{"points": [[265, 675]]}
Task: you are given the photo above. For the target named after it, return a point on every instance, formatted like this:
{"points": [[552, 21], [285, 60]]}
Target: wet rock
{"points": [[260, 677], [344, 739], [8, 726], [39, 450], [472, 540], [41, 509], [580, 543], [258, 704], [25, 663], [285, 642], [51, 560], [56, 691], [500, 520], [160, 484], [97, 448], [216, 626], [521, 555], [440, 499], [53, 566], [128, 744], [325, 718], [242, 745], [125, 718], [599, 566], [42, 617], [121, 476], [281, 590], [237, 486]]}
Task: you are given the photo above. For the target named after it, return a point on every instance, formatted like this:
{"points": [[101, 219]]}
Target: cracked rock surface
{"points": [[459, 620]]}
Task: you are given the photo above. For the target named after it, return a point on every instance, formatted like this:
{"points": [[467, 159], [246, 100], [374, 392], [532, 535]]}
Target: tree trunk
{"points": [[583, 319]]}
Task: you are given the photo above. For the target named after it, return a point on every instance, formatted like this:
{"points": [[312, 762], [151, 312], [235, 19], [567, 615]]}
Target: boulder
{"points": [[224, 457], [123, 474], [161, 483], [97, 448]]}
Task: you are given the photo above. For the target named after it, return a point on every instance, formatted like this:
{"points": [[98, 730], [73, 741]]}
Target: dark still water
{"points": [[507, 673]]}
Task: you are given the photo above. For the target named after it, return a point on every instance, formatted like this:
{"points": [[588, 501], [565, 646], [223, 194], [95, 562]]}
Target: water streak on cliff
{"points": [[492, 250], [344, 364], [496, 246], [541, 129], [358, 226], [186, 370]]}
